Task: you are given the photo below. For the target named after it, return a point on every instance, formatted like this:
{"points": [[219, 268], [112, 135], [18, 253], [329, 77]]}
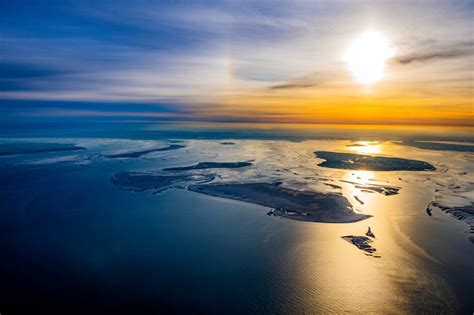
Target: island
{"points": [[363, 243], [208, 165], [288, 203], [136, 154], [439, 146], [302, 205], [354, 161]]}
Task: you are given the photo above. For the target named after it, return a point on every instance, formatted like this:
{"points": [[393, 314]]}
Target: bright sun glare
{"points": [[366, 147], [366, 56]]}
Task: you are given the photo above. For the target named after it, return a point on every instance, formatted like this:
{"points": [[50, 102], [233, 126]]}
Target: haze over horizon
{"points": [[244, 62]]}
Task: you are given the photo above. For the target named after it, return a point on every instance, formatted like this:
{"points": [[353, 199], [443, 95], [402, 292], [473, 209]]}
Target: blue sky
{"points": [[219, 60]]}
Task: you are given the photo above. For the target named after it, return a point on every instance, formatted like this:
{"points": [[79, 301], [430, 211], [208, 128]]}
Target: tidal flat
{"points": [[140, 181], [135, 181], [209, 165], [136, 154], [127, 229]]}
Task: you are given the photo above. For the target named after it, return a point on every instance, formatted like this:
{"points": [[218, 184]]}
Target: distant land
{"points": [[136, 154], [441, 146], [35, 147], [207, 165], [370, 163]]}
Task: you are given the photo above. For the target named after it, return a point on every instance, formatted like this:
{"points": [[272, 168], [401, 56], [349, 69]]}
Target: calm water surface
{"points": [[68, 236]]}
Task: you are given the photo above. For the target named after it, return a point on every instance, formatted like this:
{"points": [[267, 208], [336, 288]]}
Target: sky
{"points": [[234, 61]]}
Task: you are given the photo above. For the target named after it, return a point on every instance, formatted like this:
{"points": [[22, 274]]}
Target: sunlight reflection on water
{"points": [[366, 147], [274, 265]]}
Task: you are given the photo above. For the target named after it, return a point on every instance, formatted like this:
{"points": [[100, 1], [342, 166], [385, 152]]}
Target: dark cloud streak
{"points": [[287, 86], [407, 59], [457, 50]]}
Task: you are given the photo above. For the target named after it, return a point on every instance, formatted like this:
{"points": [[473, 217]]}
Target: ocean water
{"points": [[72, 241]]}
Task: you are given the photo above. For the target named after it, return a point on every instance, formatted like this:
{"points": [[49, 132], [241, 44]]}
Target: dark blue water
{"points": [[70, 241]]}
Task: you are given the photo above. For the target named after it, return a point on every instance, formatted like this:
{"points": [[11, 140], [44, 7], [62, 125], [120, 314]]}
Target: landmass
{"points": [[136, 154], [358, 200], [207, 165], [362, 243], [369, 233], [356, 145], [333, 186], [286, 202], [35, 147], [439, 146], [384, 190], [354, 161], [141, 181]]}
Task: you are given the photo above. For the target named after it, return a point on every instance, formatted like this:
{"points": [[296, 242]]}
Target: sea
{"points": [[73, 242]]}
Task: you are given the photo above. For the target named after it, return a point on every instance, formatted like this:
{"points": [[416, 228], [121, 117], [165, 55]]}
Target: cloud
{"points": [[294, 85], [432, 51], [431, 56], [198, 56]]}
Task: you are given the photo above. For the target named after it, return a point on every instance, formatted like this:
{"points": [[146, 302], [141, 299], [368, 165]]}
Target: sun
{"points": [[367, 55]]}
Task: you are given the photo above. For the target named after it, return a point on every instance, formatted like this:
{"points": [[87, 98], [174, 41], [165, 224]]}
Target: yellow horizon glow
{"points": [[377, 109]]}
